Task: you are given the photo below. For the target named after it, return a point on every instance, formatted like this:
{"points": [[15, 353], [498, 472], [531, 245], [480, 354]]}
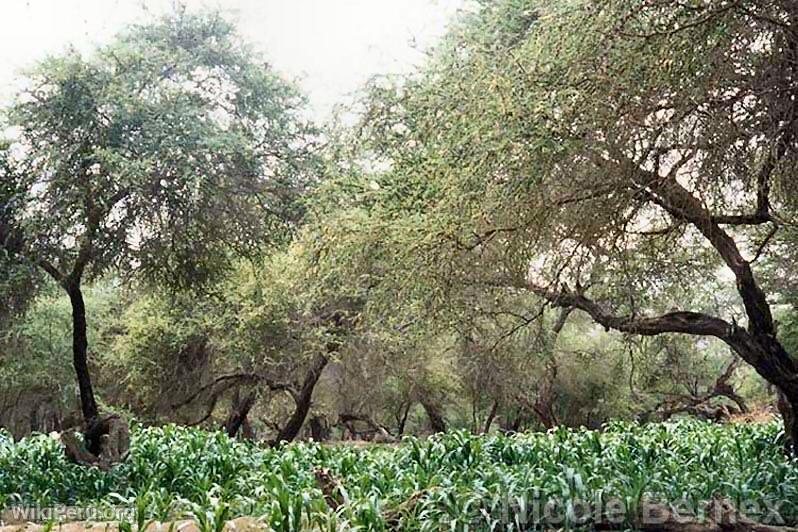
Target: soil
{"points": [[242, 524]]}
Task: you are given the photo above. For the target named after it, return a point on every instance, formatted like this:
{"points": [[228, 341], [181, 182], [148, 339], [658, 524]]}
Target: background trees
{"points": [[164, 154], [630, 170]]}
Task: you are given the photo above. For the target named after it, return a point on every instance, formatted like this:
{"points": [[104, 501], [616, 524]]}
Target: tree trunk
{"points": [[769, 358], [543, 407], [80, 345], [403, 420], [319, 430], [436, 421], [105, 442], [303, 400], [491, 417], [238, 415]]}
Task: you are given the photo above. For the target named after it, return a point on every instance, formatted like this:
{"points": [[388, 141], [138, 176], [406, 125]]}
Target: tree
{"points": [[37, 388], [629, 169], [19, 281], [285, 333], [164, 154], [258, 344]]}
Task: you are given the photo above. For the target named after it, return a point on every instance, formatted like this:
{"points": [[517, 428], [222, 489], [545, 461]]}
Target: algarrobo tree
{"points": [[164, 154], [615, 157]]}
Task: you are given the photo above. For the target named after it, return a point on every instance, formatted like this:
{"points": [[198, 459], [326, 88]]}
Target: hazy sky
{"points": [[330, 46]]}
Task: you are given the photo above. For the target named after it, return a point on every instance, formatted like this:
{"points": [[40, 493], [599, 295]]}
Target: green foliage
{"points": [[19, 280], [163, 348], [528, 158], [165, 152], [36, 376], [521, 157], [264, 319], [503, 134], [446, 481]]}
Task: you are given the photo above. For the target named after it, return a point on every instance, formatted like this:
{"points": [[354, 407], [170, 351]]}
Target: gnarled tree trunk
{"points": [[105, 440], [402, 419], [698, 404], [491, 417], [433, 410], [238, 415], [303, 399], [319, 430], [80, 346], [789, 412]]}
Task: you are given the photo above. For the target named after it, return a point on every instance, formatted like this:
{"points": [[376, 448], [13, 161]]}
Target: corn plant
{"points": [[454, 481]]}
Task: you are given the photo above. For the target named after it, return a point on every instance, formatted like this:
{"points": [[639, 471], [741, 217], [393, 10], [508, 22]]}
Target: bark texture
{"points": [[237, 419], [80, 347], [303, 398]]}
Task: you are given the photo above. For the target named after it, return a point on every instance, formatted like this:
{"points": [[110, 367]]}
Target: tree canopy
{"points": [[630, 169], [162, 152]]}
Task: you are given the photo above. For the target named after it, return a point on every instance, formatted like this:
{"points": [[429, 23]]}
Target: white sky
{"points": [[330, 46]]}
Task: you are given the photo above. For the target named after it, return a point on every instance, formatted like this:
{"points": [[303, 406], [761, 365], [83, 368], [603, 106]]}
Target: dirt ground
{"points": [[759, 414], [242, 524]]}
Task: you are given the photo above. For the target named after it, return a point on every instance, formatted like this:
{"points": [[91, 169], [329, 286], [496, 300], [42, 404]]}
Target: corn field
{"points": [[453, 481]]}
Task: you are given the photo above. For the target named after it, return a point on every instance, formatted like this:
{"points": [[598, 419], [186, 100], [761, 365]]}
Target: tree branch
{"points": [[684, 322], [763, 352], [225, 382], [669, 194], [13, 242]]}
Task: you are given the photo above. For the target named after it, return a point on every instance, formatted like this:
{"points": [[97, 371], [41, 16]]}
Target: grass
{"points": [[453, 481]]}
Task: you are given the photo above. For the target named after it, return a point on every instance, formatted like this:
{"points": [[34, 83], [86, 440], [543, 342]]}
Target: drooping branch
{"points": [[762, 352], [685, 322], [212, 391], [375, 427], [669, 194], [13, 242], [218, 386]]}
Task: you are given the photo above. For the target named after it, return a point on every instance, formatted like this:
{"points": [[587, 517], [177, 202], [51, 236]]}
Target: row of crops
{"points": [[454, 481]]}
